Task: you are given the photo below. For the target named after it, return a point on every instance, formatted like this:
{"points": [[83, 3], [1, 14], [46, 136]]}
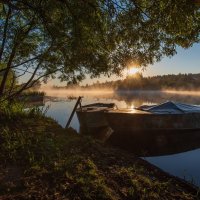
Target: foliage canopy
{"points": [[76, 37]]}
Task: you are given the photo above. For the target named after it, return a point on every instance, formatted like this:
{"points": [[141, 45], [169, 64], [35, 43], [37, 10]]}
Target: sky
{"points": [[185, 61]]}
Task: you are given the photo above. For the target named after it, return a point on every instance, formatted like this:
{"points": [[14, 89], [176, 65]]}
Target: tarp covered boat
{"points": [[170, 107]]}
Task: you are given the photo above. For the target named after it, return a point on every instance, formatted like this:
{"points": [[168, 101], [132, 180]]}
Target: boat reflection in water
{"points": [[164, 129], [157, 144], [150, 144]]}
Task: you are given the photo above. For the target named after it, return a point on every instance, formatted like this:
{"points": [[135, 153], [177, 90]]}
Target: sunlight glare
{"points": [[132, 106], [132, 71]]}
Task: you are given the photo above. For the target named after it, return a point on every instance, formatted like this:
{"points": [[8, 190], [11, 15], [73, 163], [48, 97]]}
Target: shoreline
{"points": [[107, 172]]}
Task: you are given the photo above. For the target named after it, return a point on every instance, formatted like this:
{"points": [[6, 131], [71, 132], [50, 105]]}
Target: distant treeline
{"points": [[138, 82]]}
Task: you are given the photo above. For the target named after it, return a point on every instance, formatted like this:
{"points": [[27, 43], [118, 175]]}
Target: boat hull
{"points": [[125, 122], [133, 123]]}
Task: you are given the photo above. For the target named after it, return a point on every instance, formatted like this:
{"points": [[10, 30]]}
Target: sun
{"points": [[132, 71]]}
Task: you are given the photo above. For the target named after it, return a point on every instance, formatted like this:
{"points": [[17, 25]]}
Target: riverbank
{"points": [[32, 96], [41, 160]]}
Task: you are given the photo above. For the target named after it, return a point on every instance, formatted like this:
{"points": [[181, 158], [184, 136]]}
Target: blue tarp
{"points": [[170, 107]]}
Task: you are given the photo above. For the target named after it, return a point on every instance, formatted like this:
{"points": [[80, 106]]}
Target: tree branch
{"points": [[140, 8], [26, 71], [15, 66], [32, 82], [29, 81]]}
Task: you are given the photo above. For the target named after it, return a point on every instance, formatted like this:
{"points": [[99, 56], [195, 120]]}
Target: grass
{"points": [[41, 160], [10, 111], [31, 96], [33, 93]]}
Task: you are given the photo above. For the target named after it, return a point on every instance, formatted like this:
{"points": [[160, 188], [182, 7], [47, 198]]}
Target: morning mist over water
{"points": [[139, 97]]}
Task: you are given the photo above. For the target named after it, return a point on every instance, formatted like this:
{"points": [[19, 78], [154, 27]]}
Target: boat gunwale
{"points": [[132, 112]]}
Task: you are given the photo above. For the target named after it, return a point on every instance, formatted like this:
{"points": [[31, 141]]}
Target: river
{"points": [[178, 154]]}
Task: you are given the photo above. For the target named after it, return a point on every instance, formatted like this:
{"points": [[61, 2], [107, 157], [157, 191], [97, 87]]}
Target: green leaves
{"points": [[95, 37]]}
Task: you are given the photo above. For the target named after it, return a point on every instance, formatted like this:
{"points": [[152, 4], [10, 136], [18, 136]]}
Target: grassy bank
{"points": [[41, 160], [32, 96]]}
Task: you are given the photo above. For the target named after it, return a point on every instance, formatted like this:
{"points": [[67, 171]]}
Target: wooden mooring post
{"points": [[74, 110]]}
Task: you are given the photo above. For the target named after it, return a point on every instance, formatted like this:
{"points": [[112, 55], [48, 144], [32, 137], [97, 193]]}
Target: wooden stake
{"points": [[74, 110]]}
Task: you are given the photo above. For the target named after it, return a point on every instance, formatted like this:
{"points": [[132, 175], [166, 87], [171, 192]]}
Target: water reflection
{"points": [[151, 97], [157, 144]]}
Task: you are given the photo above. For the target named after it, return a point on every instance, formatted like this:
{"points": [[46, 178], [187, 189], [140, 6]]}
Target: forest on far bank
{"points": [[138, 82]]}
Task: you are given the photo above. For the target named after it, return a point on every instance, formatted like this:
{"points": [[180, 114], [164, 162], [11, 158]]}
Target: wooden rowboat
{"points": [[166, 117]]}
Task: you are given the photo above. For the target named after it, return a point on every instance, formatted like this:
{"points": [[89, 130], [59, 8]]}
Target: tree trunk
{"points": [[5, 75], [5, 33]]}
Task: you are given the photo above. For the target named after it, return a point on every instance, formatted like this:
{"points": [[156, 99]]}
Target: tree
{"points": [[10, 81], [72, 38]]}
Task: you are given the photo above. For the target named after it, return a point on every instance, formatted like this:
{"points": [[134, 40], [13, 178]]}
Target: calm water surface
{"points": [[177, 155]]}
